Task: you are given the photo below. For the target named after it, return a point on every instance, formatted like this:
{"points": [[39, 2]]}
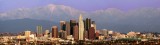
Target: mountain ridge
{"points": [[143, 19]]}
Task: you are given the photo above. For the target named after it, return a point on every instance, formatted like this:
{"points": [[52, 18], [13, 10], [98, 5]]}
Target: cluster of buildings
{"points": [[81, 30], [143, 36], [69, 30], [75, 31]]}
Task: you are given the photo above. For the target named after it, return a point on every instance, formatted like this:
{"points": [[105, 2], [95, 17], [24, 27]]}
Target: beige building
{"points": [[27, 34], [81, 28]]}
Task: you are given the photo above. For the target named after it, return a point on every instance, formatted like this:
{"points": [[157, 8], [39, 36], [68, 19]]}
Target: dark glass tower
{"points": [[72, 24], [62, 25], [88, 23]]}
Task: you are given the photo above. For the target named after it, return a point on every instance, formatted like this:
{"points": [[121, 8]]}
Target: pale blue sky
{"points": [[85, 5]]}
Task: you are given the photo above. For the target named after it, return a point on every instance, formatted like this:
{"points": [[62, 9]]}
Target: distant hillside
{"points": [[142, 19], [20, 25]]}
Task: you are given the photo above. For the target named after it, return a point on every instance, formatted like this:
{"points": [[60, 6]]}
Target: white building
{"points": [[81, 28]]}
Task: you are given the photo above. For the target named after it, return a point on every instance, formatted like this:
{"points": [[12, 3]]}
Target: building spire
{"points": [[80, 17]]}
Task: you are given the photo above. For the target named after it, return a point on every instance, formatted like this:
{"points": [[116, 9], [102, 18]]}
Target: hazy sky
{"points": [[138, 20], [85, 5]]}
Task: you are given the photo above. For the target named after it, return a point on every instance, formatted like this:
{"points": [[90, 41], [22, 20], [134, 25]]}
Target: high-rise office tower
{"points": [[68, 28], [55, 32], [85, 31], [62, 25], [76, 32], [62, 33], [72, 24], [87, 26], [39, 30], [91, 33], [88, 23], [81, 28]]}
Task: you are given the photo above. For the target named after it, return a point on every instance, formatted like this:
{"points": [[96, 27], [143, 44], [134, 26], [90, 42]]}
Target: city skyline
{"points": [[81, 32], [79, 22], [120, 16]]}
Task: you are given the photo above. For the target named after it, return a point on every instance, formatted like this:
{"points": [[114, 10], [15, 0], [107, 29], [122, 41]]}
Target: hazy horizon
{"points": [[120, 15]]}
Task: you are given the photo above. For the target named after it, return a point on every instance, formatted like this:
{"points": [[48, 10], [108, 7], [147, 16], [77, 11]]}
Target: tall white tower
{"points": [[81, 28]]}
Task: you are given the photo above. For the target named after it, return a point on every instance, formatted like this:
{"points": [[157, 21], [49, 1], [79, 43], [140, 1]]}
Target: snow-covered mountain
{"points": [[142, 19]]}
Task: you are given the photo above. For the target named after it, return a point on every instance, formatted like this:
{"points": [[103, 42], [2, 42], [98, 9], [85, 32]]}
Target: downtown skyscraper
{"points": [[81, 28], [62, 25], [55, 32], [76, 32], [39, 31], [72, 24]]}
